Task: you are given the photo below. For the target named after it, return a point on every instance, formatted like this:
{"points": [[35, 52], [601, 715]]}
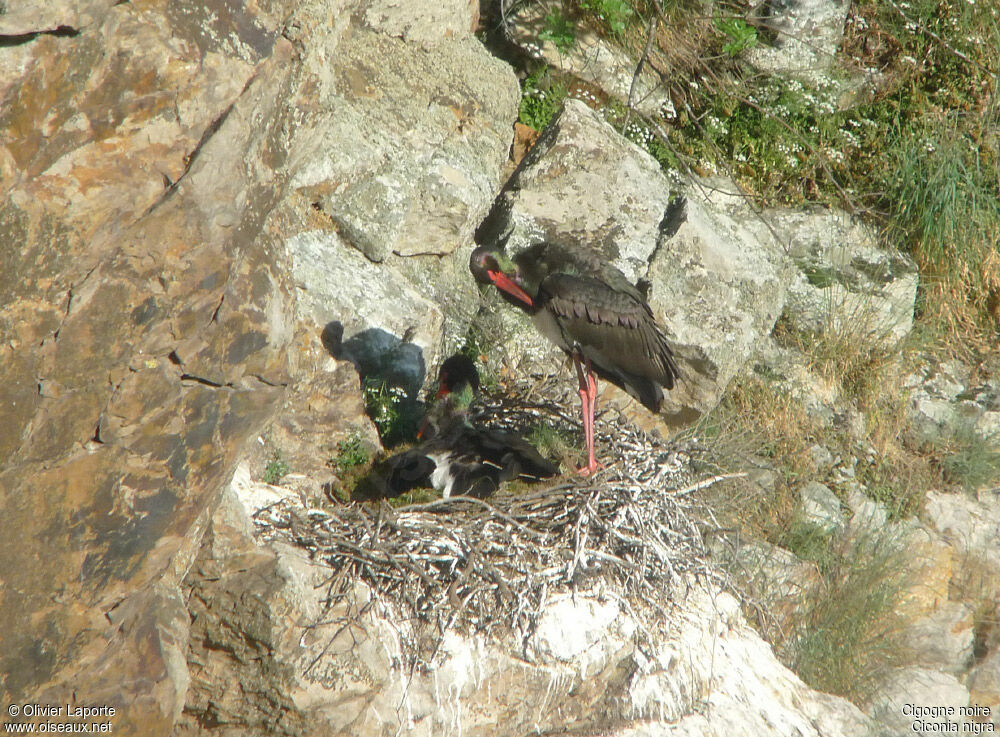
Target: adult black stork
{"points": [[454, 456], [588, 308]]}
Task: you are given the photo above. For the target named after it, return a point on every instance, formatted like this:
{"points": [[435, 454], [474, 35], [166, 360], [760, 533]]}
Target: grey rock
{"points": [[972, 526], [942, 640], [821, 457], [386, 327], [789, 369], [406, 151], [943, 403], [984, 685], [820, 506], [424, 23], [868, 514], [718, 279], [914, 686], [584, 182], [774, 570], [593, 59], [846, 286], [808, 34], [445, 281]]}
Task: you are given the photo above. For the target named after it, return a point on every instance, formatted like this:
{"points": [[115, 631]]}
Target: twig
{"points": [[643, 60], [705, 483]]}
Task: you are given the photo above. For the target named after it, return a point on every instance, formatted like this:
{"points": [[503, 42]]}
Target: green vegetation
{"points": [[614, 14], [972, 462], [415, 496], [553, 442], [275, 470], [350, 454], [396, 415], [741, 35], [542, 96], [808, 541], [845, 635], [560, 30], [477, 349]]}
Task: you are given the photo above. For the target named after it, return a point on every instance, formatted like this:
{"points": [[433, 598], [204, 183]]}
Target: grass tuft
{"points": [[846, 634], [973, 462], [560, 30]]}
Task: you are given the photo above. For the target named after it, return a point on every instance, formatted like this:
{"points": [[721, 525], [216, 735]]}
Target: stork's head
{"points": [[457, 388], [492, 267]]}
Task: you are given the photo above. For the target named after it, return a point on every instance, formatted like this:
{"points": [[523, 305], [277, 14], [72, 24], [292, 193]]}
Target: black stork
{"points": [[454, 456], [588, 308]]}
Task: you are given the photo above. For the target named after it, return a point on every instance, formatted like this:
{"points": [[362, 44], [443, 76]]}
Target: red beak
{"points": [[502, 281]]}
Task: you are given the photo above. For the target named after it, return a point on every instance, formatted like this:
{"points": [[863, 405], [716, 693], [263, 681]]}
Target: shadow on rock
{"points": [[392, 370]]}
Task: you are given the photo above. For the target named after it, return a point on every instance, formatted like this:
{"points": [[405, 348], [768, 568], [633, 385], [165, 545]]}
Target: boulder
{"points": [[931, 564], [719, 279], [427, 24], [867, 515], [819, 505], [971, 526], [593, 59], [846, 287], [405, 145], [943, 639], [893, 706], [945, 402], [807, 36], [372, 315], [984, 686]]}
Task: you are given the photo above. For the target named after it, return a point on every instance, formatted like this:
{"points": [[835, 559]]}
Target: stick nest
{"points": [[489, 566]]}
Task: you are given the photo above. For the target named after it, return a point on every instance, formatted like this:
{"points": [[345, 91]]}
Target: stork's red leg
{"points": [[588, 401], [592, 463], [584, 401]]}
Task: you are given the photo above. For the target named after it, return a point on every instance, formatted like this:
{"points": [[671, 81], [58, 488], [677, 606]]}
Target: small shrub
{"points": [[560, 30], [973, 462], [615, 14], [477, 349], [350, 453], [845, 634], [275, 470], [741, 35], [807, 541], [550, 441]]}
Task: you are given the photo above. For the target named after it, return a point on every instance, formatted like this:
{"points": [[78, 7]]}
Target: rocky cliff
{"points": [[216, 219]]}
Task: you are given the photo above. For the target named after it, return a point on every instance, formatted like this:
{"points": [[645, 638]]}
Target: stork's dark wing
{"points": [[614, 328], [515, 456], [396, 475]]}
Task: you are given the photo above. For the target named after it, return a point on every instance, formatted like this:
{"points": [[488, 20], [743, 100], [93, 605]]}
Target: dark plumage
{"points": [[454, 456], [589, 309]]}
